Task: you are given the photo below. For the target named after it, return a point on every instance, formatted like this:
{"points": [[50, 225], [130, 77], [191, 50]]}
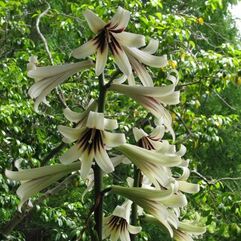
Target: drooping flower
{"points": [[155, 165], [36, 179], [151, 141], [112, 36], [155, 203], [91, 142], [117, 225], [49, 77], [186, 230], [139, 58], [153, 99]]}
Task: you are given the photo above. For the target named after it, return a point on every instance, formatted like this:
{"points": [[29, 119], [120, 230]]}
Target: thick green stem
{"points": [[98, 175], [137, 178]]}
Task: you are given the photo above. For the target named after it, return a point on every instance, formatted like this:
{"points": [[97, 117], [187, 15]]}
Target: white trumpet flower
{"points": [[91, 142], [138, 59], [117, 225], [155, 203], [153, 99], [49, 77], [109, 36], [186, 230], [36, 179], [155, 165]]}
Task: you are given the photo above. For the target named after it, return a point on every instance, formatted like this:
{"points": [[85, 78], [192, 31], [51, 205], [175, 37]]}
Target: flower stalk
{"points": [[98, 174]]}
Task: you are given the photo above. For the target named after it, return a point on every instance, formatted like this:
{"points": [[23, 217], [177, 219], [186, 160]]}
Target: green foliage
{"points": [[201, 43]]}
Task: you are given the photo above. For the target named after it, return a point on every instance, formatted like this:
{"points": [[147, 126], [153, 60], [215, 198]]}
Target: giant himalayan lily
{"points": [[111, 36], [140, 57], [117, 225], [91, 142], [155, 203], [49, 77], [156, 171], [186, 230], [153, 99], [36, 179], [155, 165]]}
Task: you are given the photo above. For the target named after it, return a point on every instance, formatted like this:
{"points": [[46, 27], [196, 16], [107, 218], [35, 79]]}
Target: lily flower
{"points": [[186, 230], [153, 99], [155, 165], [151, 141], [49, 77], [110, 36], [36, 179], [80, 118], [139, 58], [155, 202], [117, 225], [91, 142]]}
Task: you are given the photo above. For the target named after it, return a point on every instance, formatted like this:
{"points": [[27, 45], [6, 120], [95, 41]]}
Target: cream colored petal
{"points": [[176, 200], [158, 133], [101, 59], [148, 59], [34, 173], [172, 99], [95, 120], [29, 188], [141, 195], [95, 23], [103, 161], [124, 235], [120, 80], [110, 124], [142, 74], [130, 39], [143, 91], [85, 50], [72, 134], [139, 133], [47, 71], [87, 160], [134, 229], [123, 62], [114, 139], [188, 187], [71, 155], [120, 19], [192, 228], [152, 46], [131, 80]]}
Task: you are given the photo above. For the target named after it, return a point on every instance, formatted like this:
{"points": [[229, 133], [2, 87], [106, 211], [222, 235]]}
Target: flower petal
{"points": [[101, 59], [122, 62], [71, 155], [152, 46], [71, 134], [148, 59], [86, 162], [141, 72], [47, 71], [114, 139], [95, 23], [120, 19], [130, 39], [188, 187], [85, 50], [110, 124], [134, 229], [103, 161], [95, 120], [34, 173]]}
